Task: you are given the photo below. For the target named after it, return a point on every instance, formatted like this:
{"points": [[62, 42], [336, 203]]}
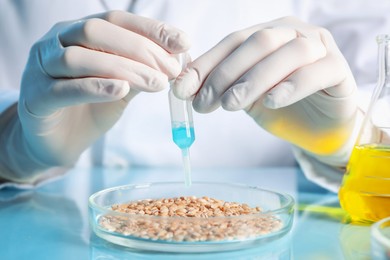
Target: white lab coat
{"points": [[230, 139]]}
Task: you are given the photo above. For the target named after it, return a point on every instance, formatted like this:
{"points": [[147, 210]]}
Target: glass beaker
{"points": [[365, 191]]}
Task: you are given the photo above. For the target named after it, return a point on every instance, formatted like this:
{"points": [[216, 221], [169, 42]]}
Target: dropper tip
{"points": [[187, 167]]}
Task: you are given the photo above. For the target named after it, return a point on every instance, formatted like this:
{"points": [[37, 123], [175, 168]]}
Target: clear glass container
{"points": [[365, 191], [380, 240], [181, 121], [238, 234]]}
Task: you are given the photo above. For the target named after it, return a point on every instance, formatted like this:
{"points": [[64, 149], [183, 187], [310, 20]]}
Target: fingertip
{"points": [[123, 89], [173, 68], [177, 41], [205, 101], [236, 97], [186, 85], [269, 102], [280, 96], [146, 79], [229, 101], [196, 104], [177, 64]]}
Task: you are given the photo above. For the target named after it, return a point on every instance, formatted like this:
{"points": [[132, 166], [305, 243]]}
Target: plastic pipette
{"points": [[182, 129]]}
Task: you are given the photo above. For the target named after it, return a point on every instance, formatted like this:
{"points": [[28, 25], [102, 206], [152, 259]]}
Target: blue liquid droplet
{"points": [[183, 137]]}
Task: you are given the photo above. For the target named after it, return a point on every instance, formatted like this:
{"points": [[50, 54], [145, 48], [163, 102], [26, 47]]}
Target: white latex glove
{"points": [[80, 77], [289, 76]]}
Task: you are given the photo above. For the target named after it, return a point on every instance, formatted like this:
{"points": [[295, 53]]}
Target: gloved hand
{"points": [[288, 75], [81, 75]]}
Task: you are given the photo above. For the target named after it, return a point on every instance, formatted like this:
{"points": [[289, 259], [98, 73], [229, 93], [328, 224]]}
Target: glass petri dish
{"points": [[380, 239], [238, 232]]}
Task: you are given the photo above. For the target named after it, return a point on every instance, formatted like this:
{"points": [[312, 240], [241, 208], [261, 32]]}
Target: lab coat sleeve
{"points": [[45, 177], [18, 168], [325, 175], [7, 98]]}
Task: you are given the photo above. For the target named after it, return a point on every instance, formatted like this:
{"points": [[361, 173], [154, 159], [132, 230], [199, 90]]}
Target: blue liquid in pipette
{"points": [[183, 136]]}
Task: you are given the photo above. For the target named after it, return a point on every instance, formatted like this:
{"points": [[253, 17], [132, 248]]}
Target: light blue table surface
{"points": [[51, 222]]}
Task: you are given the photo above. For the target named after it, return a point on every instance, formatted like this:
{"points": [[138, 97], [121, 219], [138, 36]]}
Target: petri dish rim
{"points": [[284, 210], [377, 234], [288, 205]]}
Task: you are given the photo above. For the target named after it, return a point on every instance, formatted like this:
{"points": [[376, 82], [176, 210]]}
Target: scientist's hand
{"points": [[81, 75], [288, 75]]}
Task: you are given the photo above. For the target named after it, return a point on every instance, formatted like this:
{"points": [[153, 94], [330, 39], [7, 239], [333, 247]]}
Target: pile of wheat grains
{"points": [[189, 219]]}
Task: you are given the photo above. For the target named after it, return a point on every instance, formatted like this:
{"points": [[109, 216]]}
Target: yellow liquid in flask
{"points": [[365, 191]]}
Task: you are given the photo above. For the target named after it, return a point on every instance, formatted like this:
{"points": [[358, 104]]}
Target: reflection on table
{"points": [[51, 222]]}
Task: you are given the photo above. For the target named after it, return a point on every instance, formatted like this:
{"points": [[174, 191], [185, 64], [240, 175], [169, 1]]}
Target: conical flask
{"points": [[365, 191]]}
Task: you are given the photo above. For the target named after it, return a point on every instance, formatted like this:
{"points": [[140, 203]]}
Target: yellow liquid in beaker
{"points": [[365, 191]]}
